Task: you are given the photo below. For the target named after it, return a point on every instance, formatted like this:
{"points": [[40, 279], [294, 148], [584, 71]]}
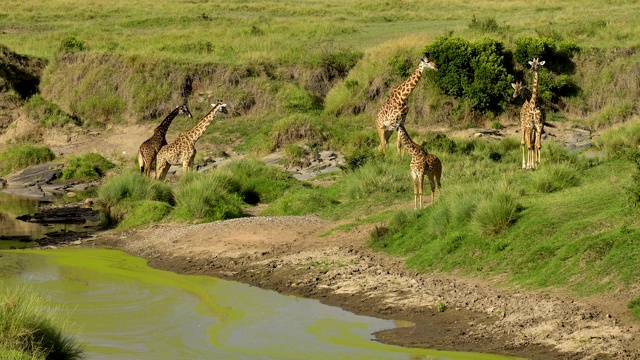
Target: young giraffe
{"points": [[421, 162], [182, 149], [394, 110], [536, 113], [526, 125], [150, 147]]}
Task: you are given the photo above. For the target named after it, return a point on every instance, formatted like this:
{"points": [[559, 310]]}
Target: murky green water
{"points": [[127, 310]]}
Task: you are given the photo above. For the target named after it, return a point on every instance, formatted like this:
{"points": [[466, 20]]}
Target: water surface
{"points": [[124, 309]]}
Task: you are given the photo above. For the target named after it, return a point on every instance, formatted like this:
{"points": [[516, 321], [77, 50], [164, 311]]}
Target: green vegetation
{"points": [[89, 166], [216, 195], [19, 157], [30, 330], [303, 79]]}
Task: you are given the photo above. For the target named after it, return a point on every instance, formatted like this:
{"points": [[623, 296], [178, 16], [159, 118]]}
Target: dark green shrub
{"points": [[475, 73], [438, 142], [71, 45]]}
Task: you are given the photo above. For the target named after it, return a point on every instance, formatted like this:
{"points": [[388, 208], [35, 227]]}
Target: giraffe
{"points": [[526, 124], [394, 111], [182, 149], [421, 162], [536, 113], [150, 147]]}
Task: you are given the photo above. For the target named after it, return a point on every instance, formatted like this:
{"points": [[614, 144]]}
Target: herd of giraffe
{"points": [[390, 118]]}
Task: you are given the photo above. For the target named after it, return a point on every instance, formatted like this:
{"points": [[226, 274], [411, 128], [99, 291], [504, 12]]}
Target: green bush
{"points": [[22, 156], [634, 305], [89, 166], [47, 113], [474, 73], [31, 330], [71, 44]]}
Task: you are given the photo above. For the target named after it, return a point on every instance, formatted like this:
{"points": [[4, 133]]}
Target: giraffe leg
{"points": [[415, 180], [383, 140], [432, 183], [399, 147], [162, 168], [421, 179], [522, 146]]}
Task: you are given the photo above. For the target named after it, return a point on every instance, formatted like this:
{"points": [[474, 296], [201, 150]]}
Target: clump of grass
{"points": [[301, 202], [496, 213], [30, 330], [299, 127], [634, 305], [118, 195], [207, 197], [555, 177], [22, 156], [88, 166], [144, 212], [620, 142], [258, 182]]}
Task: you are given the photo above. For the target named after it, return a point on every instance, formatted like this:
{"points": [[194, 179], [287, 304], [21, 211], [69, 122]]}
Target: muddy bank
{"points": [[302, 256]]}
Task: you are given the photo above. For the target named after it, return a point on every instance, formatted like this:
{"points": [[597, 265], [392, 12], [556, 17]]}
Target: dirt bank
{"points": [[303, 256]]}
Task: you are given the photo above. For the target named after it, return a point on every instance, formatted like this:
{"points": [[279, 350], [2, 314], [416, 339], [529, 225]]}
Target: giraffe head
{"points": [[427, 62], [220, 107], [535, 64], [184, 110], [518, 87]]}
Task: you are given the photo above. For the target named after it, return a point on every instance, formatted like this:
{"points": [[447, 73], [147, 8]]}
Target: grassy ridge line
{"points": [[234, 32]]}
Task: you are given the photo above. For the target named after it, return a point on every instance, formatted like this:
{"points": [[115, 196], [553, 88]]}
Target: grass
{"points": [[21, 156], [30, 331]]}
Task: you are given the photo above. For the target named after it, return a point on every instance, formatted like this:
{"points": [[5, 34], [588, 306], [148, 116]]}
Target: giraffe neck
{"points": [[413, 148], [404, 90], [201, 126], [164, 125], [526, 93], [534, 92]]}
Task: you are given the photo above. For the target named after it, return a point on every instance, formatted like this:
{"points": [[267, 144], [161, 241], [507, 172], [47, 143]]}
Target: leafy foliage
{"points": [[475, 73]]}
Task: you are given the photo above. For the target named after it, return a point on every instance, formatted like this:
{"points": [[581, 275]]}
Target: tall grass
{"points": [[32, 331], [22, 156], [89, 166]]}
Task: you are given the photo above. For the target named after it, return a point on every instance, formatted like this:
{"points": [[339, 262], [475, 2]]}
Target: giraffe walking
{"points": [[421, 163], [150, 147], [394, 111], [182, 150]]}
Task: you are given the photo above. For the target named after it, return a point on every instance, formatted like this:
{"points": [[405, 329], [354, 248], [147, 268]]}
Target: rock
{"points": [[37, 174], [3, 183], [71, 194]]}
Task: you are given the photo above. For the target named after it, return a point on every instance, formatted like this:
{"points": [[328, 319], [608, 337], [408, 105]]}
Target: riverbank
{"points": [[305, 256]]}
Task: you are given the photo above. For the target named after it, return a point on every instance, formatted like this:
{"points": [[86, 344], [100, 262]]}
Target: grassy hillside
{"points": [[316, 73]]}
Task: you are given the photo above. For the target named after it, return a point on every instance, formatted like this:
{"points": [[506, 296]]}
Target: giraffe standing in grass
{"points": [[536, 113], [150, 147], [394, 110], [526, 125], [183, 150], [421, 163]]}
